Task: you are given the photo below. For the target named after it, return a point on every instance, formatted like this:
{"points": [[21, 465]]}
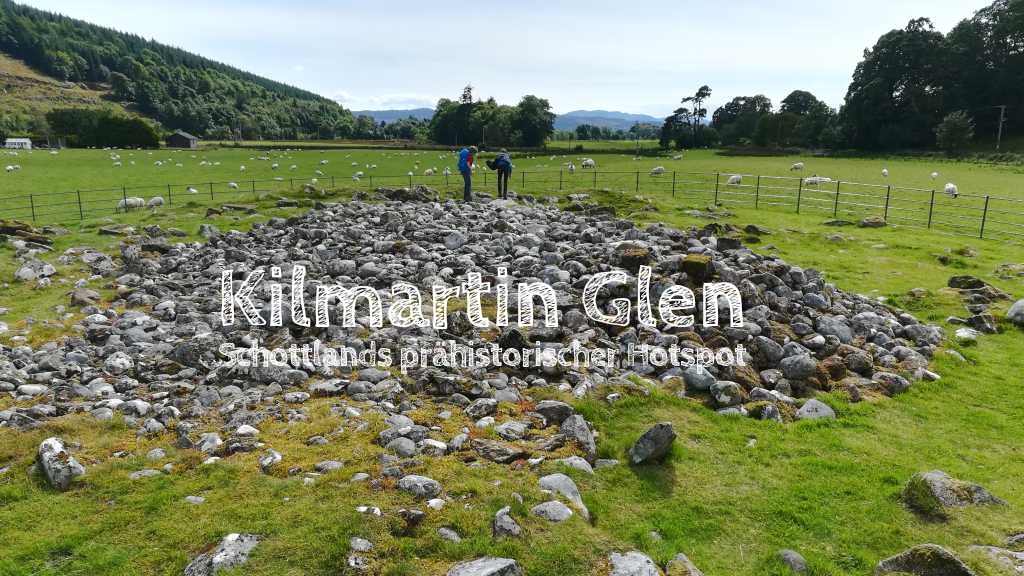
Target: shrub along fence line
{"points": [[979, 216]]}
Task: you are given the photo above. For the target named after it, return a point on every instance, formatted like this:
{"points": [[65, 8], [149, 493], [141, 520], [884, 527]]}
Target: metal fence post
{"points": [[252, 185], [638, 181], [595, 179], [211, 190], [757, 192], [559, 179], [524, 180], [835, 208], [168, 194], [984, 217], [81, 214], [931, 208], [888, 191], [673, 183], [799, 193], [332, 181], [32, 203], [717, 178]]}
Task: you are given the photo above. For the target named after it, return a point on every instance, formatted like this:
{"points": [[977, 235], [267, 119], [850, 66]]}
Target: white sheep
{"points": [[319, 173], [355, 164], [274, 166], [154, 202], [292, 167], [323, 162], [588, 163], [355, 178], [657, 171], [572, 168], [816, 180], [9, 169], [410, 173], [798, 167], [935, 175], [428, 172], [885, 172], [233, 185], [241, 168], [735, 180], [126, 204], [447, 171], [117, 164], [677, 157], [359, 174], [192, 190], [951, 190]]}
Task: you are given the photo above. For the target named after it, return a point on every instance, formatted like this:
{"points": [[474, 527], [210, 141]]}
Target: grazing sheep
{"points": [[158, 163], [9, 169], [677, 157], [192, 190], [359, 174], [816, 180], [572, 168], [735, 180], [935, 175], [241, 168], [314, 181], [323, 162], [588, 163], [154, 202], [951, 190], [409, 174], [319, 173], [292, 167], [885, 172], [233, 185], [428, 172], [355, 164], [126, 204], [117, 164], [355, 178], [657, 171], [274, 166], [798, 167], [447, 171]]}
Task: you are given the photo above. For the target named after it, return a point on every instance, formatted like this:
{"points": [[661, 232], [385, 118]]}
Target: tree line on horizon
{"points": [[915, 89]]}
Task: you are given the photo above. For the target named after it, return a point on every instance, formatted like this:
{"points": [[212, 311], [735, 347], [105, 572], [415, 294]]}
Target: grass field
{"points": [[827, 489], [73, 184]]}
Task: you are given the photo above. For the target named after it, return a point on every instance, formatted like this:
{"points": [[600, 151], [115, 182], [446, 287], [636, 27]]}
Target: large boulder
{"points": [[233, 551], [487, 566], [1016, 313], [924, 560], [59, 466], [681, 565], [632, 564], [562, 484], [420, 486], [576, 428], [654, 444], [931, 493]]}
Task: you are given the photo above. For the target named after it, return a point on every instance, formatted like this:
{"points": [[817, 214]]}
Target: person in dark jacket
{"points": [[503, 166], [466, 169]]}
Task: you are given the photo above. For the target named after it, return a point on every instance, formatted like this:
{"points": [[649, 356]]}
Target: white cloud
{"points": [[399, 101]]}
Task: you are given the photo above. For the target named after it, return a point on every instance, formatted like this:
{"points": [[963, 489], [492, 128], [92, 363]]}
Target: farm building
{"points": [[18, 143], [182, 139]]}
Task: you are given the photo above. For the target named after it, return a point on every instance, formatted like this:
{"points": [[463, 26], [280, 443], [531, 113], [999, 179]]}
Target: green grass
{"points": [[827, 489], [50, 186]]}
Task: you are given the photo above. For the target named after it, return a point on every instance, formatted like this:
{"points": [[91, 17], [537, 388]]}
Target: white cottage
{"points": [[18, 144]]}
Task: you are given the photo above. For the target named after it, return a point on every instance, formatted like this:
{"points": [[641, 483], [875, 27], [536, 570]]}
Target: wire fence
{"points": [[980, 216]]}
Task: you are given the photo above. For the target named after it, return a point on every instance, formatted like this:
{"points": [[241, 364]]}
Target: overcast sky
{"points": [[637, 57]]}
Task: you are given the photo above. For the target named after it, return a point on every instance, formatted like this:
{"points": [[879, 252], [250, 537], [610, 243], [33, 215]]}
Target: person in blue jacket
{"points": [[466, 169], [503, 165]]}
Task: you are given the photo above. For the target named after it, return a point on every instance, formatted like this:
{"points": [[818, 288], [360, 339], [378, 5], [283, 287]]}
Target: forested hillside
{"points": [[180, 89]]}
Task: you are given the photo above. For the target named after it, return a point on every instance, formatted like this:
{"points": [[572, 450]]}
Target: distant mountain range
{"points": [[392, 115], [602, 118], [567, 121]]}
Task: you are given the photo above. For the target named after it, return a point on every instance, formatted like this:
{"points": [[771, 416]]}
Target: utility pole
{"points": [[1002, 120]]}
